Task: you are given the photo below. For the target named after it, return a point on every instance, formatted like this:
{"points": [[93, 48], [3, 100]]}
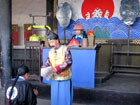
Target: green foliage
{"points": [[101, 34]]}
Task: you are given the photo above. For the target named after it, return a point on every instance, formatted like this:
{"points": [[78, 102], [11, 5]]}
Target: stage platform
{"points": [[120, 89]]}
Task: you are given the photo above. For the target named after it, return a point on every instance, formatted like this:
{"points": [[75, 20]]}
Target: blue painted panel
{"points": [[83, 67]]}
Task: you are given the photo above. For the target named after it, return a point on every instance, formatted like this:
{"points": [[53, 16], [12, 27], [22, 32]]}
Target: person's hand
{"points": [[54, 70], [35, 91]]}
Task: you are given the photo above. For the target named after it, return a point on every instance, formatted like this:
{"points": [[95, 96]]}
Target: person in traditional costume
{"points": [[19, 91], [80, 33], [60, 59]]}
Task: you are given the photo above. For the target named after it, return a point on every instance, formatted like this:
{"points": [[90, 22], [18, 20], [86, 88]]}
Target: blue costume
{"points": [[60, 59], [61, 92], [61, 85], [79, 39]]}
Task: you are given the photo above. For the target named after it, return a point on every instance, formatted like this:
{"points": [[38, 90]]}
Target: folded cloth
{"points": [[46, 72]]}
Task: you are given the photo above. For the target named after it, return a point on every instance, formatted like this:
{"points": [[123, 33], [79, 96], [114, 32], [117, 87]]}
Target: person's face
{"points": [[26, 76], [78, 32], [53, 43]]}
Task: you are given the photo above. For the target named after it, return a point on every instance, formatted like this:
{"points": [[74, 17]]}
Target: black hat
{"points": [[22, 70], [52, 36]]}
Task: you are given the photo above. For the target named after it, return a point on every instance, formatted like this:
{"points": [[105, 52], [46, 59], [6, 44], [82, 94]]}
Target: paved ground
{"points": [[119, 90], [39, 100]]}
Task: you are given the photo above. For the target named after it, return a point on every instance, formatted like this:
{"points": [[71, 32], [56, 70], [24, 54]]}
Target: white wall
{"points": [[20, 14]]}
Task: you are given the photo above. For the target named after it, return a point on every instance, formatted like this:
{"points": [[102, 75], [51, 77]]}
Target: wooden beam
{"points": [[55, 4]]}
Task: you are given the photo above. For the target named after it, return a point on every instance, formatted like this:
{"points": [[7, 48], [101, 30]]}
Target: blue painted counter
{"points": [[83, 67]]}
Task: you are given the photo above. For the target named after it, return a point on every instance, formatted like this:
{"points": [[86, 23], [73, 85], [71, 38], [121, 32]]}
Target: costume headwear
{"points": [[22, 70], [78, 26], [52, 36]]}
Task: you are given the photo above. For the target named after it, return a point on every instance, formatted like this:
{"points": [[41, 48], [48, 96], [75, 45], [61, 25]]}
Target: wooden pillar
{"points": [[51, 7], [5, 36], [49, 10], [55, 4]]}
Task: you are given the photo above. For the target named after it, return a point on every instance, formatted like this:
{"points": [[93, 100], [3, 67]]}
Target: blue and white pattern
{"points": [[112, 28]]}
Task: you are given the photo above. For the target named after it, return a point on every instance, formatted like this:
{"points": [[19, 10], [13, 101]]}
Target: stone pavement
{"points": [[119, 90], [39, 100]]}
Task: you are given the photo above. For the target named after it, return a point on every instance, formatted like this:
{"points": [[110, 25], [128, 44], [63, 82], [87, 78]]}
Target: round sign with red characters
{"points": [[97, 8]]}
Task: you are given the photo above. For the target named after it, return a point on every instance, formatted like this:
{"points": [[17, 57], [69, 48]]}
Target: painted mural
{"points": [[98, 19], [97, 8]]}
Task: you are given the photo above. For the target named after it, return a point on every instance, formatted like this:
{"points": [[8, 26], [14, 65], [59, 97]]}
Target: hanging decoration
{"points": [[64, 14], [129, 10]]}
